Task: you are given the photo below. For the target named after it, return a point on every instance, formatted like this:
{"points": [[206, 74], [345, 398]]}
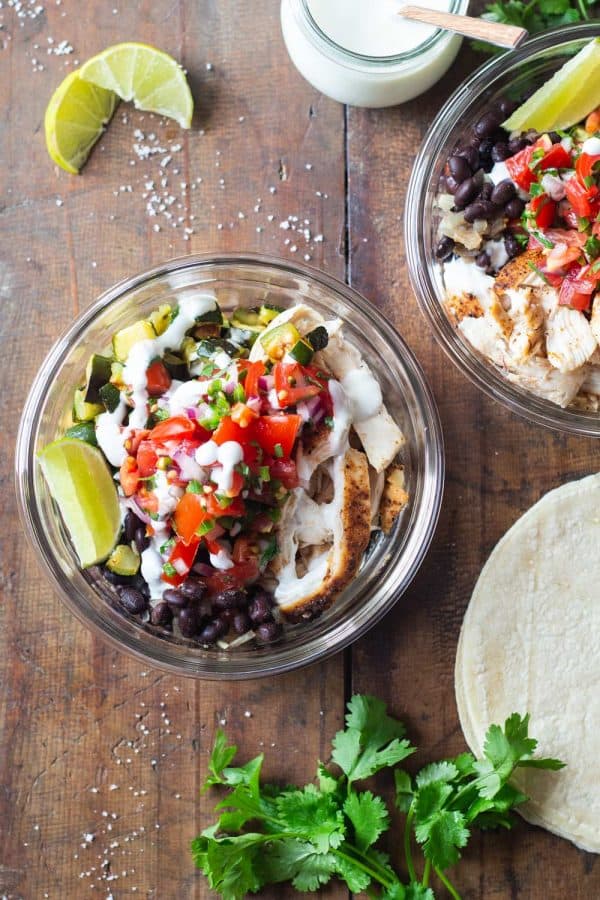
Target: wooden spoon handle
{"points": [[469, 26]]}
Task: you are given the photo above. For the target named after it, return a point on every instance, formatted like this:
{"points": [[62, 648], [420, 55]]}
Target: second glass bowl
{"points": [[236, 279], [513, 75]]}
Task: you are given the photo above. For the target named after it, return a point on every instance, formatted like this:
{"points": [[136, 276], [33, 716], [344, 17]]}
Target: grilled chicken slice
{"points": [[542, 379], [570, 341], [394, 497], [347, 519]]}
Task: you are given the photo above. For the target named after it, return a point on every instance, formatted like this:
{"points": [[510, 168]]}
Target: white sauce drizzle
{"points": [[221, 560], [229, 455], [110, 434], [363, 393]]}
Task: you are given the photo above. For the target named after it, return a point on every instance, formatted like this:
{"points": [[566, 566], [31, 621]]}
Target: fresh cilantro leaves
{"points": [[536, 15], [307, 836]]}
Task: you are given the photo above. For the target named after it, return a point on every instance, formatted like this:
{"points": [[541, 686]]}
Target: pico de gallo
{"points": [[202, 442], [520, 246]]}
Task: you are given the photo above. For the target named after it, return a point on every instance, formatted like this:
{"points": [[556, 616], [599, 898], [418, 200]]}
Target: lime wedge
{"points": [[571, 93], [75, 119], [83, 487], [152, 79]]}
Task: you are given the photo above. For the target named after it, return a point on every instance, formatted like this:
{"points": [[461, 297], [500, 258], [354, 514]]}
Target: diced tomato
{"points": [[579, 197], [585, 165], [245, 549], [235, 509], [189, 514], [277, 431], [158, 379], [238, 576], [566, 236], [518, 168], [129, 476], [253, 455], [555, 158], [292, 384], [147, 500], [174, 429], [254, 371], [243, 415], [284, 470], [544, 209], [137, 436], [229, 430], [147, 459], [571, 295], [184, 553]]}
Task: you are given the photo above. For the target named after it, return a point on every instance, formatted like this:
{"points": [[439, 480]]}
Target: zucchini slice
{"points": [[124, 560], [125, 339], [97, 373]]}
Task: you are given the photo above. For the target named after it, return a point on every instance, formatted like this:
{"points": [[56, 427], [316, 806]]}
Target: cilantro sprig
{"points": [[536, 15], [307, 836]]}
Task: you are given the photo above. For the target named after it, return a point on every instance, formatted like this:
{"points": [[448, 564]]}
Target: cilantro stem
{"points": [[448, 885], [426, 873], [370, 866], [407, 849]]}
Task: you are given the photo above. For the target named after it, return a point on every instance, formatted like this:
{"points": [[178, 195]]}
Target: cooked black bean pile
{"points": [[464, 172], [200, 618]]}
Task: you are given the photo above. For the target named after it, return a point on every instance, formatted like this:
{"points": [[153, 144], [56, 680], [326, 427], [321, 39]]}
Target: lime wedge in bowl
{"points": [[152, 79], [571, 93], [75, 119], [84, 490]]}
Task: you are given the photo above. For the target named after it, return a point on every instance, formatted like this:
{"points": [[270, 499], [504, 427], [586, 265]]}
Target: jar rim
{"points": [[343, 54]]}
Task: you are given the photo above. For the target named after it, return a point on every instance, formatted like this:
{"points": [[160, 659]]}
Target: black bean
{"points": [[451, 184], [189, 622], [512, 246], [259, 609], [500, 151], [486, 191], [141, 541], [442, 186], [482, 260], [554, 137], [161, 614], [459, 168], [470, 154], [465, 193], [175, 598], [503, 192], [485, 148], [475, 211], [241, 623], [230, 599], [506, 107], [141, 586], [515, 145], [444, 248], [113, 578], [514, 208], [204, 608], [486, 125], [131, 600], [193, 588], [129, 526], [268, 631], [212, 631]]}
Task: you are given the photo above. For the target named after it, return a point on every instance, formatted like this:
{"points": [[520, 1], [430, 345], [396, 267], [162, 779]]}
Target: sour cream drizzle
{"points": [[142, 353]]}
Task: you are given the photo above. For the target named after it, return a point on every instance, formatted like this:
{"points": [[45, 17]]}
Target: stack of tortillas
{"points": [[530, 642]]}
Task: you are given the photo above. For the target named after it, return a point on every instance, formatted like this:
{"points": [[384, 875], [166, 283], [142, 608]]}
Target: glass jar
{"points": [[360, 80], [391, 561]]}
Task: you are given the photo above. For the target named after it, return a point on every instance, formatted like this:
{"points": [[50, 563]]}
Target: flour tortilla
{"points": [[530, 642]]}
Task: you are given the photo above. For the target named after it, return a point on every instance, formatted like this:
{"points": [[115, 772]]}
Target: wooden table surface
{"points": [[91, 742]]}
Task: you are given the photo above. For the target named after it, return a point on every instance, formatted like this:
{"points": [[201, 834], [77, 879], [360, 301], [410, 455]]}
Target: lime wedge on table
{"points": [[571, 93], [84, 490], [152, 79], [75, 119]]}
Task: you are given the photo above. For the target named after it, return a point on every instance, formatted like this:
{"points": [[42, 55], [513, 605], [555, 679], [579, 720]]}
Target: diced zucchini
{"points": [[97, 373], [82, 411], [116, 374], [267, 313], [110, 395], [125, 339], [124, 560], [83, 431], [318, 338], [189, 349], [302, 352], [212, 317], [176, 366], [248, 319], [279, 340], [161, 318]]}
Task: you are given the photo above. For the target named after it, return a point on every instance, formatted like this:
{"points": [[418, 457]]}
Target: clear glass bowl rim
{"points": [[460, 103], [379, 600]]}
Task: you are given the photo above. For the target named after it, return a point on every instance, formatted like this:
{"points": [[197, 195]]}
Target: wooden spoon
{"points": [[469, 26]]}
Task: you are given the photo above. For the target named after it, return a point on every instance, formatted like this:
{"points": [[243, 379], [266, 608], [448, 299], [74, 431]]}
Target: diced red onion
{"points": [[303, 411], [230, 387], [266, 382], [253, 403], [142, 515], [192, 413], [180, 566], [188, 467], [313, 404]]}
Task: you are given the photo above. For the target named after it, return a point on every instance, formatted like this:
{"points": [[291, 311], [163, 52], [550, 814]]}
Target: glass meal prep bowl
{"points": [[237, 279], [514, 75]]}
